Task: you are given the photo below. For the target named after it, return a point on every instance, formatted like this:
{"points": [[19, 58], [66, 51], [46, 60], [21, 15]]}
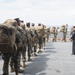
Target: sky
{"points": [[47, 12]]}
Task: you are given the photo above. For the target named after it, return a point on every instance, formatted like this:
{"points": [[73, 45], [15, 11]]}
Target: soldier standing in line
{"points": [[24, 38], [54, 32], [45, 34], [19, 47], [64, 31], [40, 33], [35, 36], [29, 40], [14, 55], [66, 28], [48, 33]]}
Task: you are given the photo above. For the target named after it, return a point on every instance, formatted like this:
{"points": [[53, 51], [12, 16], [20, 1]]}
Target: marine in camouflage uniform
{"points": [[19, 47], [45, 34], [40, 32], [35, 36], [22, 51], [29, 40], [54, 31], [48, 33], [14, 55], [64, 31], [24, 38]]}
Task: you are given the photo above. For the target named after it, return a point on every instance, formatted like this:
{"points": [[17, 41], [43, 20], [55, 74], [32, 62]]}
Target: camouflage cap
{"points": [[28, 24], [33, 24], [39, 24], [17, 19]]}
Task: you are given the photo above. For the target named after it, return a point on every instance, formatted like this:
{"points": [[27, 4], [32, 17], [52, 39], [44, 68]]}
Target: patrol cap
{"points": [[28, 24], [39, 24], [33, 24], [17, 19]]}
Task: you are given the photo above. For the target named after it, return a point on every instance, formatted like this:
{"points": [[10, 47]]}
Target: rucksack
{"points": [[7, 38], [53, 30], [40, 31]]}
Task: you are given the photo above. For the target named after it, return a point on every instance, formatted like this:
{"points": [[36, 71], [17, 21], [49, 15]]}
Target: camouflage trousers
{"points": [[6, 57], [40, 44], [34, 45], [29, 49], [23, 52], [55, 38], [44, 41], [47, 38], [64, 37], [18, 58]]}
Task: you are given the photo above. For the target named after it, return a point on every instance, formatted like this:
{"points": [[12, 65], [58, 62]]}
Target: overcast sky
{"points": [[48, 12]]}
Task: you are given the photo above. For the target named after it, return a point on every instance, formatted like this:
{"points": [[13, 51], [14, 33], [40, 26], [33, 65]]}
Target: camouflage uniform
{"points": [[6, 56], [34, 38], [48, 33], [45, 34], [24, 37], [64, 31], [54, 31], [29, 40], [40, 33], [20, 31], [19, 48]]}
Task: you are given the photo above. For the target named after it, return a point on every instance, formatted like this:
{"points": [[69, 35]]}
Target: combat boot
{"points": [[16, 73], [11, 69], [35, 54], [29, 59], [21, 71], [20, 65], [23, 65], [4, 74], [39, 51]]}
